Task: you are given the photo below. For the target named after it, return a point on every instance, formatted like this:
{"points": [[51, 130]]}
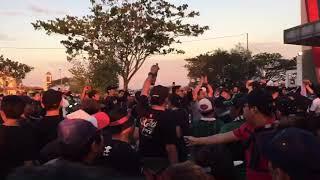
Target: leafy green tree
{"points": [[124, 33], [222, 66], [10, 68], [237, 65], [273, 65]]}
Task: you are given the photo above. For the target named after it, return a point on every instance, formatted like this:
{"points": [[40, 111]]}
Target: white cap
{"points": [[205, 105]]}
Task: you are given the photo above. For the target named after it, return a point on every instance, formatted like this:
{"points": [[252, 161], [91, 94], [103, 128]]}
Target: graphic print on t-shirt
{"points": [[148, 124]]}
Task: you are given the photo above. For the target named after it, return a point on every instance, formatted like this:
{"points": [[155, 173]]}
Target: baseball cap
{"points": [[205, 105], [103, 119], [51, 98], [293, 150], [159, 92]]}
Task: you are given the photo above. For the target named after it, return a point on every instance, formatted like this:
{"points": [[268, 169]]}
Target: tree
{"points": [[124, 33], [223, 67], [10, 68], [273, 65]]}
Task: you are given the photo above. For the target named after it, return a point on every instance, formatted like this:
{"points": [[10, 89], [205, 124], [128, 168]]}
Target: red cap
{"points": [[103, 119]]}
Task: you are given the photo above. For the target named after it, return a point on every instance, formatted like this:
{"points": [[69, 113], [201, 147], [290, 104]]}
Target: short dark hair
{"points": [[12, 106], [186, 170], [261, 99], [90, 106], [92, 93], [77, 153], [175, 88], [51, 99]]}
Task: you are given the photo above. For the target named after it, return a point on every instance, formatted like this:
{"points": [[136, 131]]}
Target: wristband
{"points": [[152, 74]]}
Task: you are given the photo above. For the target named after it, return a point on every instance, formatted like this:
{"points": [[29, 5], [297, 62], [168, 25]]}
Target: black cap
{"points": [[293, 150], [159, 92]]}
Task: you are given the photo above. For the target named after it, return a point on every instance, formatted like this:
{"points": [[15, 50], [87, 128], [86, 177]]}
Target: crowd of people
{"points": [[250, 131]]}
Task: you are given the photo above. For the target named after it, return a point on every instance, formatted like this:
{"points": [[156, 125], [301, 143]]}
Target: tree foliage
{"points": [[124, 33], [10, 68], [273, 65], [238, 65]]}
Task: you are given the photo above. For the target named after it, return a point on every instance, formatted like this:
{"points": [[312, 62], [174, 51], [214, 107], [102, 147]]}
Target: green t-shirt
{"points": [[207, 127]]}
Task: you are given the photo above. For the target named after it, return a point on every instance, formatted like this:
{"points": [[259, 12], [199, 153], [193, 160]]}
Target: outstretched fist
{"points": [[191, 141]]}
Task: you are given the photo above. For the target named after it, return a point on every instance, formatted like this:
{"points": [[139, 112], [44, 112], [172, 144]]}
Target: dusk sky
{"points": [[264, 20]]}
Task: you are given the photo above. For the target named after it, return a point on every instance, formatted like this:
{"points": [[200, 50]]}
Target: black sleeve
{"points": [[168, 130], [142, 106]]}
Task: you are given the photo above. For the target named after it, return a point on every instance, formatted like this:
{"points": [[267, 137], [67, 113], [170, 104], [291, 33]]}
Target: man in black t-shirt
{"points": [[115, 107], [47, 127], [17, 143], [157, 130]]}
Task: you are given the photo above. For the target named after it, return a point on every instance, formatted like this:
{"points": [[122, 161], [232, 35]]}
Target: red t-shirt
{"points": [[243, 133]]}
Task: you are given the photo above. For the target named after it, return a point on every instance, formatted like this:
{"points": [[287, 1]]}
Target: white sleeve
{"points": [[314, 106]]}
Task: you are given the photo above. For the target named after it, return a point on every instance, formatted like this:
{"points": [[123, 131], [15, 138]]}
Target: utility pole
{"points": [[60, 77], [247, 41]]}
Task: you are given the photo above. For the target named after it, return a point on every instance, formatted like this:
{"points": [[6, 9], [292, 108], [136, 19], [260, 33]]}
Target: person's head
{"points": [[237, 107], [293, 154], [121, 93], [79, 140], [90, 106], [159, 95], [186, 171], [137, 96], [51, 100], [251, 85], [29, 108], [112, 90], [218, 159], [37, 96], [225, 94], [274, 91], [178, 90], [235, 90], [94, 94], [258, 107], [205, 107], [175, 101], [12, 107]]}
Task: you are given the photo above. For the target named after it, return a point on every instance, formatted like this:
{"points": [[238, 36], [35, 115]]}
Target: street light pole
{"points": [[60, 77]]}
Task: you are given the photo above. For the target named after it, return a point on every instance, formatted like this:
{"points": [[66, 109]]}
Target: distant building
{"points": [[8, 85], [48, 81], [307, 35]]}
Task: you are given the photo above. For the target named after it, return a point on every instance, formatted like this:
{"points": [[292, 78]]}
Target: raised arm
{"points": [[209, 87], [148, 82], [84, 92], [197, 89]]}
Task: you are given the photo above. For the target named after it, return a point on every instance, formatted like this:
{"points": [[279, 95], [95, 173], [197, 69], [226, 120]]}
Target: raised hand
{"points": [[206, 79], [154, 69]]}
